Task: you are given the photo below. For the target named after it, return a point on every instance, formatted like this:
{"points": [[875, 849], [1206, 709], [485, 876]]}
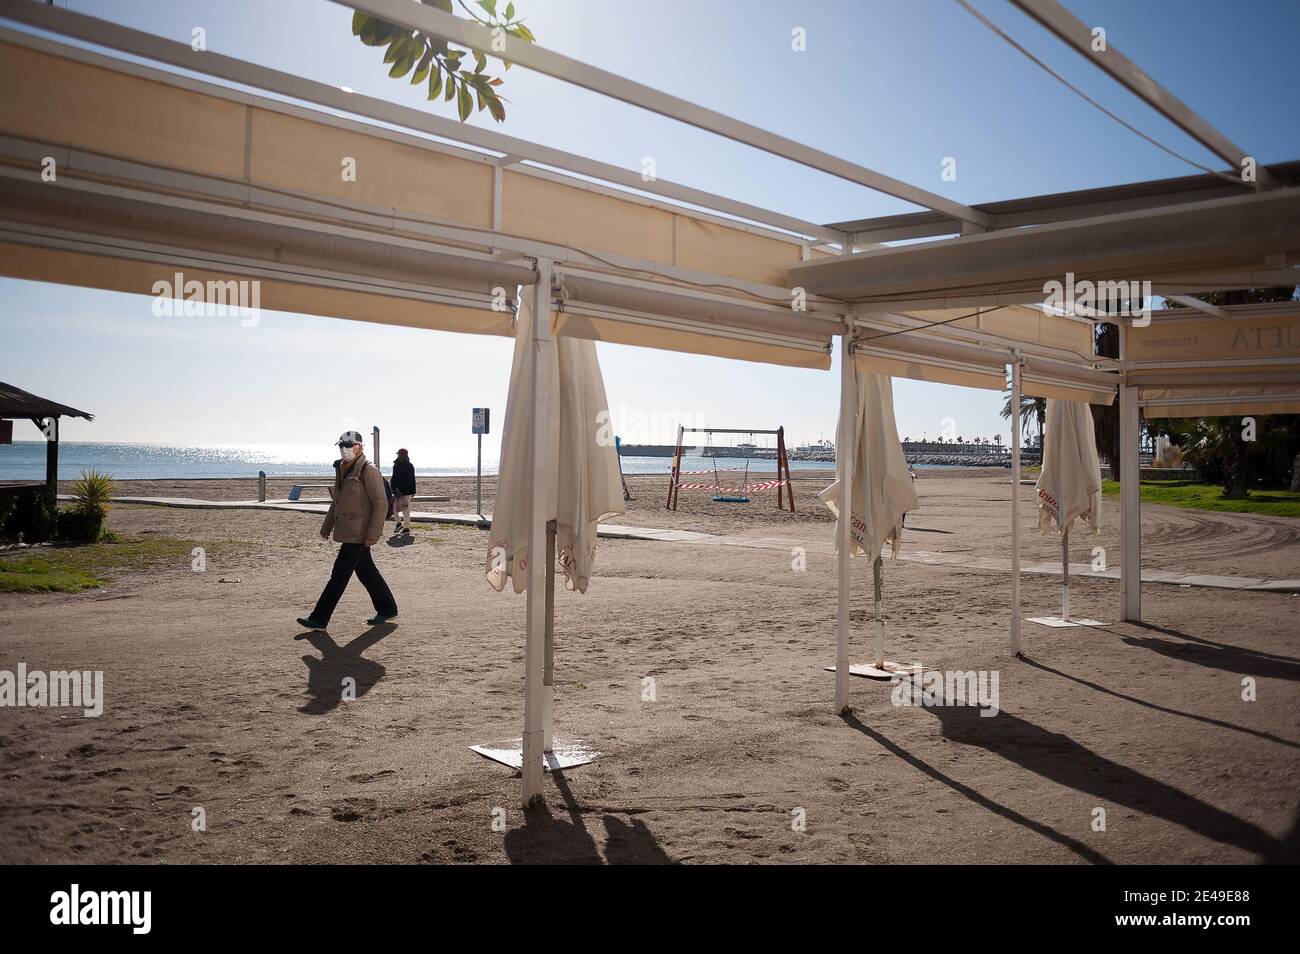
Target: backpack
{"points": [[388, 490]]}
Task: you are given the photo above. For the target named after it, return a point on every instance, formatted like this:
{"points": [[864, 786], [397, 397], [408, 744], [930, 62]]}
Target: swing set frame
{"points": [[783, 480]]}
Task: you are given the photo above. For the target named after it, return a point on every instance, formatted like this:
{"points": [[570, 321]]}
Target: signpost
{"points": [[480, 427]]}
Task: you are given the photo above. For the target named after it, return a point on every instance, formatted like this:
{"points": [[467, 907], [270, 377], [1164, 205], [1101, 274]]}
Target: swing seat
{"points": [[725, 499]]}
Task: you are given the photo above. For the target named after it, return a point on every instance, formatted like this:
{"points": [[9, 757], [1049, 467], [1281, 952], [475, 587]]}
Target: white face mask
{"points": [[348, 452]]}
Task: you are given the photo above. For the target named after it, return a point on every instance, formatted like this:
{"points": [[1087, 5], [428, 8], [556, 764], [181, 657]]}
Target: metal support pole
{"points": [[478, 481], [548, 667], [1015, 503], [52, 459], [1130, 515], [375, 434], [844, 474], [543, 346], [877, 572], [1065, 575]]}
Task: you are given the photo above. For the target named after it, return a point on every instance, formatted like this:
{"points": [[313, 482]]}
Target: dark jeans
{"points": [[354, 557]]}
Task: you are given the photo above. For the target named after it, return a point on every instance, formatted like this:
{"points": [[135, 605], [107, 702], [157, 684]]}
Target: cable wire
{"points": [[1080, 93]]}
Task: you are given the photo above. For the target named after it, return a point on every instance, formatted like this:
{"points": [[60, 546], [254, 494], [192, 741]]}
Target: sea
{"points": [[25, 460]]}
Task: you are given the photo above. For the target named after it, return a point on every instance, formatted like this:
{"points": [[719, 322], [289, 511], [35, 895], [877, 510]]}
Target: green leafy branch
{"points": [[445, 68]]}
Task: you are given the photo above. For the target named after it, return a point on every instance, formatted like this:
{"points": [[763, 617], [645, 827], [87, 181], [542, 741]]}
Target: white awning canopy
{"points": [[652, 314], [159, 173], [1245, 359], [1170, 247]]}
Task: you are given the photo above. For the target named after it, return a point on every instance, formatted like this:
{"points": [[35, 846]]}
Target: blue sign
{"points": [[480, 420]]}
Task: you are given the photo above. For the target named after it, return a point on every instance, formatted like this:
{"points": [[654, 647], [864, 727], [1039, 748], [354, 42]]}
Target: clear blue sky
{"points": [[896, 85]]}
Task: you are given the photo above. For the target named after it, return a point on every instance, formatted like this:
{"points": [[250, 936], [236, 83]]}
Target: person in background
{"points": [[911, 472], [403, 484], [356, 519]]}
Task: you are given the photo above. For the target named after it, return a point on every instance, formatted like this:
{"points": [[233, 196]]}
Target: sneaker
{"points": [[379, 619], [306, 622], [399, 530]]}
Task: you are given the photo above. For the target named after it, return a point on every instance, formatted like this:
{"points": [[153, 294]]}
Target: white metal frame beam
{"points": [[843, 522], [1060, 21], [1202, 306], [428, 20], [1130, 510], [1061, 206], [541, 415], [1015, 504]]}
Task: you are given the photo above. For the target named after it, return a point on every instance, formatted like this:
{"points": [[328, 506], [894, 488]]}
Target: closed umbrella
{"points": [[881, 492], [1069, 488], [580, 488]]}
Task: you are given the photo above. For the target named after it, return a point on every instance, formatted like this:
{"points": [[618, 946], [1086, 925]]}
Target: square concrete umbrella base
{"points": [[566, 753], [885, 671], [1056, 622]]}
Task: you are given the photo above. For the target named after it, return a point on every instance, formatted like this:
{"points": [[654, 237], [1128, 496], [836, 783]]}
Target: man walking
{"points": [[356, 518], [403, 484]]}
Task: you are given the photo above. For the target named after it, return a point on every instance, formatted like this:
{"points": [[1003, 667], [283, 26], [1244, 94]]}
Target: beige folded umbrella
{"points": [[582, 487], [881, 492], [1069, 487]]}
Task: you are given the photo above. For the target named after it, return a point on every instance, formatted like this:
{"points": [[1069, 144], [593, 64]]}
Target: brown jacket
{"points": [[360, 505]]}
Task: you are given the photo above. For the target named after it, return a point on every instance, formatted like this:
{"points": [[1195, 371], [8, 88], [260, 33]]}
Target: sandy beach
{"points": [[216, 699]]}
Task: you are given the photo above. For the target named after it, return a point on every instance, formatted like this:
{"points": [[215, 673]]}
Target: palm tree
{"points": [[1032, 409]]}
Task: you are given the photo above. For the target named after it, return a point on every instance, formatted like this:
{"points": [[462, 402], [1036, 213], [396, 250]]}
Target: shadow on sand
{"points": [[1078, 847], [1217, 655], [1245, 662], [326, 675], [1207, 720], [1060, 759], [548, 839]]}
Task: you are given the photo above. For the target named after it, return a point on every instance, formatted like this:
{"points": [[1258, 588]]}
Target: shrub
{"points": [[80, 526], [29, 515], [92, 493], [84, 523]]}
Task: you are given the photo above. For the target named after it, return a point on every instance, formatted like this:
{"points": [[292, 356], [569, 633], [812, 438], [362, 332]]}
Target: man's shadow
{"points": [[340, 670], [547, 839]]}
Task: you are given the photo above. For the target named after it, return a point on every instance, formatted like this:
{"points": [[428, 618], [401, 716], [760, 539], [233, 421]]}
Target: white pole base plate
{"points": [[567, 753], [885, 671], [1056, 622]]}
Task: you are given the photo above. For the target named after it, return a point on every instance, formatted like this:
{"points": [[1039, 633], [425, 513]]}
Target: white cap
{"points": [[351, 436]]}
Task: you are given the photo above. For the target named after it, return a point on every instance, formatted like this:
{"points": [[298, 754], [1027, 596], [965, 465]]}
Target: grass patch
{"points": [[1199, 496], [71, 569], [43, 575]]}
